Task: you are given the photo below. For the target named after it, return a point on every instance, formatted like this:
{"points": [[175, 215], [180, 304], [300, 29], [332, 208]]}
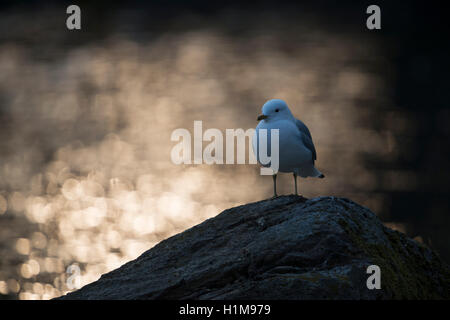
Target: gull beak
{"points": [[261, 117]]}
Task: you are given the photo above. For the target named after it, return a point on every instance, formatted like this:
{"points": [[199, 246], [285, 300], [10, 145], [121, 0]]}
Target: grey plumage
{"points": [[306, 138]]}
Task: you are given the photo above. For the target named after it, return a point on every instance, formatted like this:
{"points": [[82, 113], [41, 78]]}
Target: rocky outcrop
{"points": [[283, 248]]}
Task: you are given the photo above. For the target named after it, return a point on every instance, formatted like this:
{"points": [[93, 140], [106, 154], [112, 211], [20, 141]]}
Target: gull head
{"points": [[275, 109]]}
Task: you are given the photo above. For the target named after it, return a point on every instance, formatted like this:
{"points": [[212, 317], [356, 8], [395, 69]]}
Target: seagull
{"points": [[296, 148]]}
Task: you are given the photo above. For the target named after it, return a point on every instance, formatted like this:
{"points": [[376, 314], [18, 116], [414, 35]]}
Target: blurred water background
{"points": [[86, 118]]}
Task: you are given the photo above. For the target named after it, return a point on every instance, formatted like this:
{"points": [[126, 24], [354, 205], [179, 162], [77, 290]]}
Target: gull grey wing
{"points": [[306, 137]]}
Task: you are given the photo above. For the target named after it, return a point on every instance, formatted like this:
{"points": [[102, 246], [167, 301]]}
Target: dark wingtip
{"points": [[322, 176]]}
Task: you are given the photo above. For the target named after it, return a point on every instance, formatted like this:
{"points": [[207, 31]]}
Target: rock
{"points": [[283, 248]]}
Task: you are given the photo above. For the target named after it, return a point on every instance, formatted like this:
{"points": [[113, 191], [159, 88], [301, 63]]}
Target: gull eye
{"points": [[276, 110]]}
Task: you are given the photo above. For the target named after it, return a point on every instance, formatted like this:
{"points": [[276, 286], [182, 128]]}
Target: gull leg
{"points": [[295, 183], [274, 177]]}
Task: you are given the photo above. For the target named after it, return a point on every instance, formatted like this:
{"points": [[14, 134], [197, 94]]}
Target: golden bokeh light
{"points": [[3, 205], [13, 285], [3, 287], [30, 269], [39, 240], [23, 246]]}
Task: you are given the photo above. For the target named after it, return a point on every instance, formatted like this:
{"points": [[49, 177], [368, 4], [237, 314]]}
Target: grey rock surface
{"points": [[283, 248]]}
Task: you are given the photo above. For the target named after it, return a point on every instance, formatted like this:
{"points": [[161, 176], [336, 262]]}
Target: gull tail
{"points": [[318, 174]]}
